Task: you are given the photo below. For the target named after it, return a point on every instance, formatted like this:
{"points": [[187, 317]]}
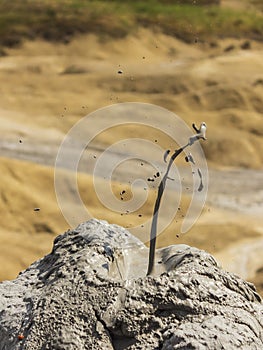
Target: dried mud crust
{"points": [[89, 293]]}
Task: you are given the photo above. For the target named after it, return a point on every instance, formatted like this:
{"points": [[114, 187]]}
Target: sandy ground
{"points": [[47, 88]]}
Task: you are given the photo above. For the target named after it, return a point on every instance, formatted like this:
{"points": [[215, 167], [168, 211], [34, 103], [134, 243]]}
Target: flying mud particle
{"points": [[166, 155]]}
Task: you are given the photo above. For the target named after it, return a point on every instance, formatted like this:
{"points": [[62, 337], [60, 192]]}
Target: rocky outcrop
{"points": [[91, 292]]}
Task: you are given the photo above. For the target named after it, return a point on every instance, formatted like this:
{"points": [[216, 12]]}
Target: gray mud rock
{"points": [[91, 292]]}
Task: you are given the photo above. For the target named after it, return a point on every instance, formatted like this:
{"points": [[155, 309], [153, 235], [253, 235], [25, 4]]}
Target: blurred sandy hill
{"points": [[46, 88], [50, 87]]}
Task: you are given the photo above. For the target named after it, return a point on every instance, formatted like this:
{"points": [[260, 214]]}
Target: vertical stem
{"points": [[161, 188]]}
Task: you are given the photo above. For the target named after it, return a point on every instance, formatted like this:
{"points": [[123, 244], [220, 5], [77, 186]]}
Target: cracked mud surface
{"points": [[90, 292]]}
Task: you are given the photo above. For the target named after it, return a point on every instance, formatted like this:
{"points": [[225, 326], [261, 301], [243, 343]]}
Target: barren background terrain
{"points": [[47, 86]]}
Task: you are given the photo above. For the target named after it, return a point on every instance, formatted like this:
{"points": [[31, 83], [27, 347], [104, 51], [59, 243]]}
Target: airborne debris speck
{"points": [[166, 155], [189, 158], [201, 186], [150, 179]]}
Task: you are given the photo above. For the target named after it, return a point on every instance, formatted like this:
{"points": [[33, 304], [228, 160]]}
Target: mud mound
{"points": [[91, 292]]}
